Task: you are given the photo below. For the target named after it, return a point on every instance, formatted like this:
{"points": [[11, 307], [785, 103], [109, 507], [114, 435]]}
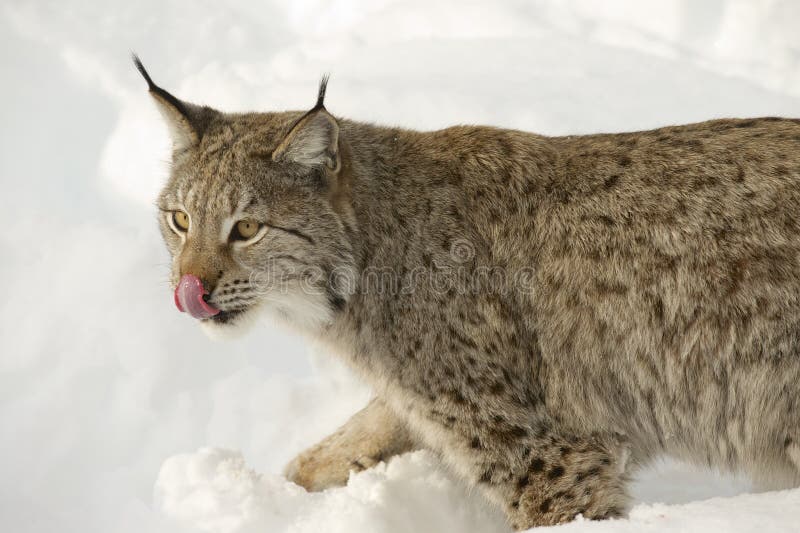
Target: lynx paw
{"points": [[317, 470], [372, 435]]}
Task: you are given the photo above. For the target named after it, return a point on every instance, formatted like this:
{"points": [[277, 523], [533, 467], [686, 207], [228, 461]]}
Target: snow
{"points": [[118, 415], [215, 491]]}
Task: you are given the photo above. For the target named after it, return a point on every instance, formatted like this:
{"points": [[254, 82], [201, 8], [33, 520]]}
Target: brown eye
{"points": [[181, 220], [245, 229]]}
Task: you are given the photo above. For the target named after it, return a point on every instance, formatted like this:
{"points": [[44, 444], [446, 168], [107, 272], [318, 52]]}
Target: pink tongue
{"points": [[189, 297]]}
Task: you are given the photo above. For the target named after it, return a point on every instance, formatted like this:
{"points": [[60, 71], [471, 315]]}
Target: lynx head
{"points": [[255, 214]]}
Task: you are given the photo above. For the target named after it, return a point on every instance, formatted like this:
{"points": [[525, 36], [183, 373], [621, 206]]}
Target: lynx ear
{"points": [[186, 121], [314, 139]]}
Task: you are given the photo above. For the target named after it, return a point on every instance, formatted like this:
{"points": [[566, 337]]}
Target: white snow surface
{"points": [[118, 415]]}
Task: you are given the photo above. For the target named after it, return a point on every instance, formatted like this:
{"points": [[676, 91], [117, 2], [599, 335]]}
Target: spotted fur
{"points": [[546, 313]]}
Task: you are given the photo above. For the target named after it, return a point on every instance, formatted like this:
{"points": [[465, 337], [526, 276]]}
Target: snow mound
{"points": [[214, 490]]}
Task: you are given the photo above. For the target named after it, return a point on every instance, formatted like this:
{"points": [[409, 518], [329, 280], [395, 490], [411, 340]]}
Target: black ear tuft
{"points": [[323, 86], [313, 139], [186, 121], [158, 91], [143, 71]]}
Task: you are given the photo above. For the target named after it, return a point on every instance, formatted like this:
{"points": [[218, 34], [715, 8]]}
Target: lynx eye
{"points": [[244, 230], [181, 220]]}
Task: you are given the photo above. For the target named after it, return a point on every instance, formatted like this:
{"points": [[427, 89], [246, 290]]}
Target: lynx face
{"points": [[248, 218]]}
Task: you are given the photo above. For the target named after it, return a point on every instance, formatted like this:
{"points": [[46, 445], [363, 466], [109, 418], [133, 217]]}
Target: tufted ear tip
{"points": [[143, 71], [313, 142], [185, 121], [314, 139]]}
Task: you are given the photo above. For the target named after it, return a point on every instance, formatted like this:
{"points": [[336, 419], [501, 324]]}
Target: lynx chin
{"points": [[547, 314]]}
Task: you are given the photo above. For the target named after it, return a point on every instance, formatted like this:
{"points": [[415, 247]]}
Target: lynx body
{"points": [[546, 313]]}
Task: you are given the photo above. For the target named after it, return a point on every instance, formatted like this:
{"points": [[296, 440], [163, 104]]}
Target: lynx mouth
{"points": [[225, 317], [192, 297]]}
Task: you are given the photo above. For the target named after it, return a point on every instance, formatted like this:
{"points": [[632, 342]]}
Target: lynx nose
{"points": [[189, 297]]}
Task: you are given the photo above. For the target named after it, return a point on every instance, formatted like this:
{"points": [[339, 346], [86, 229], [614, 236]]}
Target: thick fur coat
{"points": [[546, 313]]}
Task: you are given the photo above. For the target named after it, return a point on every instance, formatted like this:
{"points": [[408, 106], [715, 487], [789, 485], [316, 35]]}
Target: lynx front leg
{"points": [[547, 478], [372, 435]]}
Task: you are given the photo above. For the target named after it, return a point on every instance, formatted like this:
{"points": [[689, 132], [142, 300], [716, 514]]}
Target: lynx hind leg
{"points": [[793, 451], [777, 471], [555, 479], [372, 435], [791, 480]]}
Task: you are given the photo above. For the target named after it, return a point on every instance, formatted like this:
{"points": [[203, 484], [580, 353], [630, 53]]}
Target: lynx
{"points": [[546, 314]]}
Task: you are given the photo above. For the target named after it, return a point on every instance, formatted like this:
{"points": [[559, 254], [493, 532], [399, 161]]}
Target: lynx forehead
{"points": [[546, 313]]}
